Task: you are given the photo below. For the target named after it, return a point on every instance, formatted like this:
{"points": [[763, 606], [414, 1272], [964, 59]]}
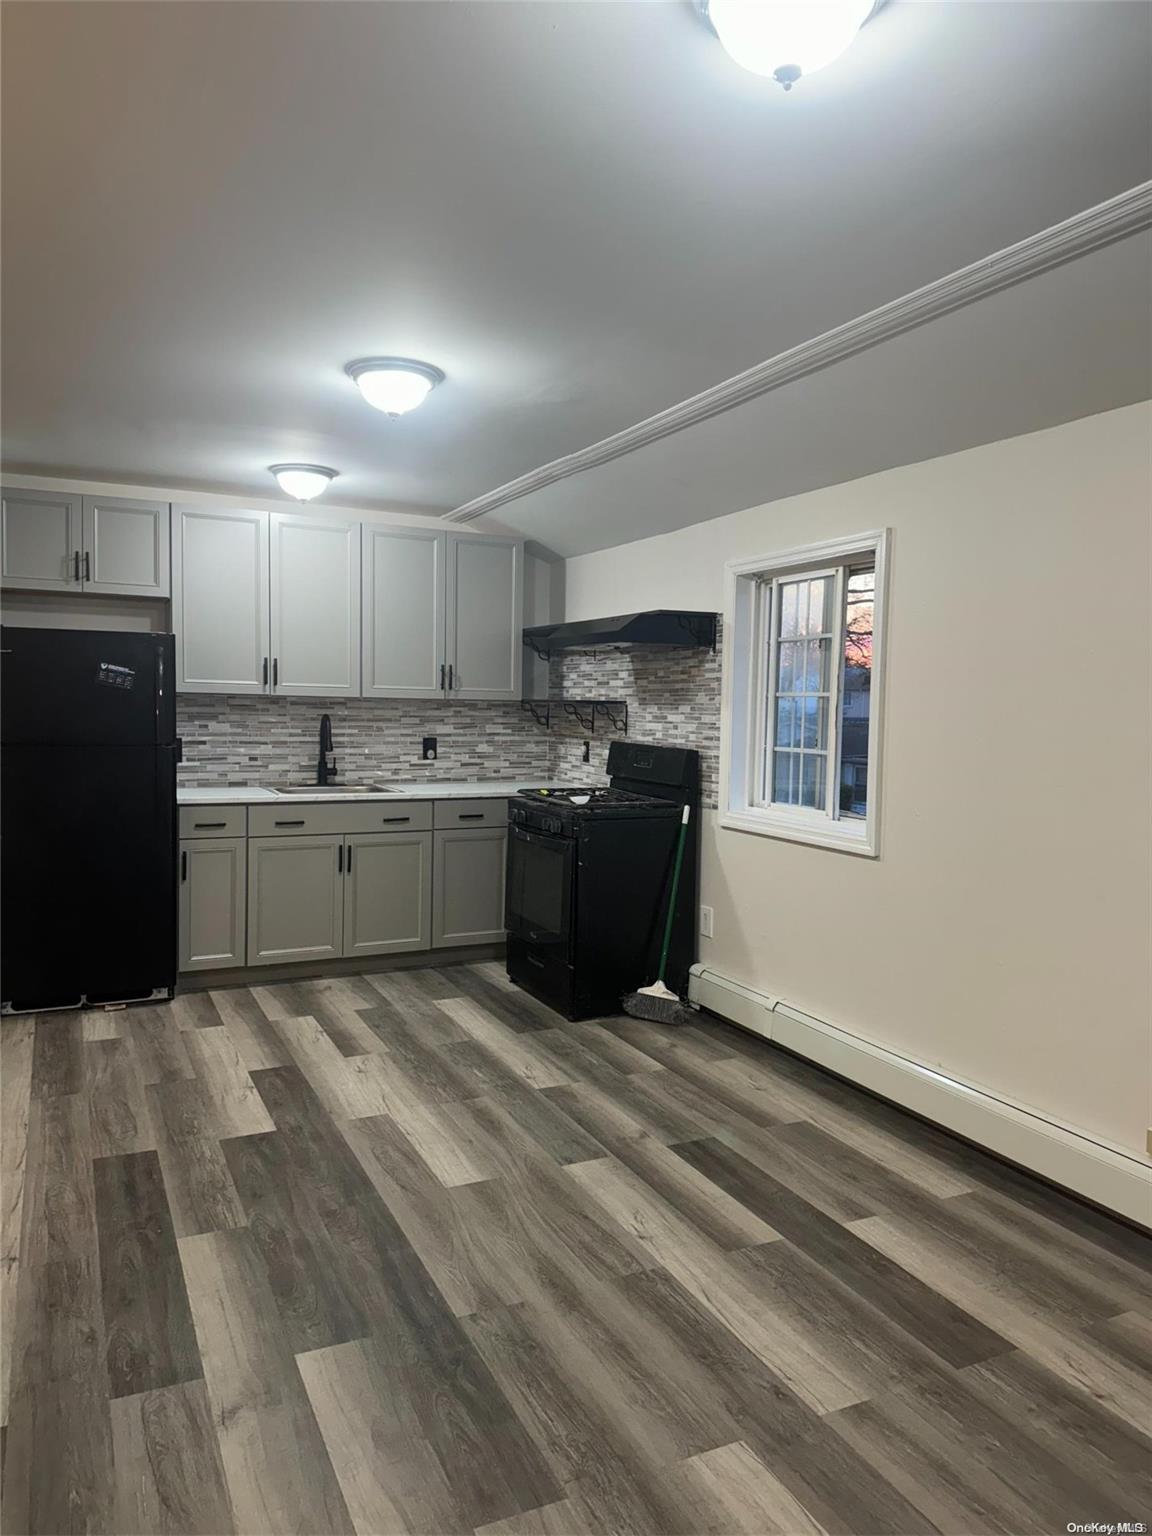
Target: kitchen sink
{"points": [[333, 789]]}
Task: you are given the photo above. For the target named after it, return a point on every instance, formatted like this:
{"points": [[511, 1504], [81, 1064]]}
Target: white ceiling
{"points": [[1067, 344], [582, 212]]}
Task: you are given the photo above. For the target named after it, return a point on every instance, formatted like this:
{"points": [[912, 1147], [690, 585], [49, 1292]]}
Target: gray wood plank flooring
{"points": [[405, 1254]]}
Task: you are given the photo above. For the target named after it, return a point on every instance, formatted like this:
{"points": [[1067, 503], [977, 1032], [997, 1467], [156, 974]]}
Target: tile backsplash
{"points": [[673, 697], [244, 740]]}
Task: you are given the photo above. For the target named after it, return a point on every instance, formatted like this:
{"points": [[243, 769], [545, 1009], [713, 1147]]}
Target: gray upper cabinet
{"points": [[315, 605], [220, 599], [404, 612], [485, 616], [40, 535], [126, 547], [57, 542]]}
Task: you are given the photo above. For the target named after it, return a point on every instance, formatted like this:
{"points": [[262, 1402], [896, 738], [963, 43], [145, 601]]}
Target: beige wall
{"points": [[1002, 936]]}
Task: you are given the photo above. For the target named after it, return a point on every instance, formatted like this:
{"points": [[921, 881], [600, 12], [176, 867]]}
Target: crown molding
{"points": [[1090, 230]]}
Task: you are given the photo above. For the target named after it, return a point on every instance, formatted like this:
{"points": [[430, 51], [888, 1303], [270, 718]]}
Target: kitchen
{"points": [[573, 587]]}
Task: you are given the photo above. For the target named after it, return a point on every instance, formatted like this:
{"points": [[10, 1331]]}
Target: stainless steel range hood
{"points": [[657, 629]]}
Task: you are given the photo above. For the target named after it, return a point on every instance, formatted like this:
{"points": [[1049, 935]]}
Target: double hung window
{"points": [[802, 693]]}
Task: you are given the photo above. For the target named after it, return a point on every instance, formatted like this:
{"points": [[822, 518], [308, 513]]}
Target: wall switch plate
{"points": [[706, 922], [587, 754], [428, 749]]}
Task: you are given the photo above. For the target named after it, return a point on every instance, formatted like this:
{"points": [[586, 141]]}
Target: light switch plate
{"points": [[706, 922]]}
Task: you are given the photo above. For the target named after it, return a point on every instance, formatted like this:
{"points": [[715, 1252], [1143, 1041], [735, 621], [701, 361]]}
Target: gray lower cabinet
{"points": [[387, 893], [322, 896], [468, 886], [295, 898], [213, 885]]}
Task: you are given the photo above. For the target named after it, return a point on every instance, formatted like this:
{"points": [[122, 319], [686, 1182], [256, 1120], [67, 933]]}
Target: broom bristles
{"points": [[658, 1004]]}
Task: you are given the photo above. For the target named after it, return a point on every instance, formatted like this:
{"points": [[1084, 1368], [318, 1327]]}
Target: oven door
{"points": [[539, 889]]}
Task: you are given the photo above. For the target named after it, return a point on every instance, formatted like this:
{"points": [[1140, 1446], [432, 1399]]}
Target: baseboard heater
{"points": [[1102, 1173]]}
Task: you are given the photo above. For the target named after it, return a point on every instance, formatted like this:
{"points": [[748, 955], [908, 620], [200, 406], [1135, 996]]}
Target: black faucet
{"points": [[326, 763]]}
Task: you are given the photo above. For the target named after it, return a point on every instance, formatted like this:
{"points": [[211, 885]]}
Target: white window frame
{"points": [[745, 728]]}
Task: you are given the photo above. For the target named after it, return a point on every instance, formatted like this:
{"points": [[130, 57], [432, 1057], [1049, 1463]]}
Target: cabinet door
{"points": [[40, 539], [315, 605], [295, 898], [220, 599], [388, 893], [126, 546], [485, 616], [213, 895], [404, 593], [468, 887]]}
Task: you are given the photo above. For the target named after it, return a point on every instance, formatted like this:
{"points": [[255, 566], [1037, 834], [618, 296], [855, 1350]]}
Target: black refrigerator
{"points": [[88, 832]]}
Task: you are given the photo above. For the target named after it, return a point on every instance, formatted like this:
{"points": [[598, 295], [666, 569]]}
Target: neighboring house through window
{"points": [[802, 693]]}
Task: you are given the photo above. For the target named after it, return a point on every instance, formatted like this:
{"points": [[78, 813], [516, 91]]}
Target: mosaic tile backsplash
{"points": [[245, 740], [673, 697]]}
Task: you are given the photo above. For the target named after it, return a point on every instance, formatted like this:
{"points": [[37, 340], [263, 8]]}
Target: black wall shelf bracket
{"points": [[586, 713]]}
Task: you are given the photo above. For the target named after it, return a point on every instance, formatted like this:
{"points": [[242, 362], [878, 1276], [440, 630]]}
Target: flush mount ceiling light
{"points": [[786, 40], [303, 482], [394, 384]]}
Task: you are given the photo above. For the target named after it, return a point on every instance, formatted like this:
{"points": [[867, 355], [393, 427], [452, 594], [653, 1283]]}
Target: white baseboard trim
{"points": [[1105, 1174]]}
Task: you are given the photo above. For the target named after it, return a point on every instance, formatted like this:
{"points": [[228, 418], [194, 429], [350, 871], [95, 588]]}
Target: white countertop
{"points": [[430, 789]]}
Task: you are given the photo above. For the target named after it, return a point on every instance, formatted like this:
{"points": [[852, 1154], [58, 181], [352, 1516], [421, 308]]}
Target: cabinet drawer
{"points": [[213, 820], [291, 820], [471, 813]]}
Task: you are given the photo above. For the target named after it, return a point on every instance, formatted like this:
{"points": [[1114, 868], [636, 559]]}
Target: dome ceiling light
{"points": [[394, 384], [789, 39], [303, 482]]}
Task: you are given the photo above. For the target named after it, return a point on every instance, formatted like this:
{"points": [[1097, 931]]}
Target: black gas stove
{"points": [[588, 876], [556, 810]]}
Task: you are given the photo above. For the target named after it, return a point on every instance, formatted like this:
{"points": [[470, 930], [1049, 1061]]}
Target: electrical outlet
{"points": [[706, 922], [428, 749]]}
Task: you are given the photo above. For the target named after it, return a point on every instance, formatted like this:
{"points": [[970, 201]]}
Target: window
{"points": [[802, 693]]}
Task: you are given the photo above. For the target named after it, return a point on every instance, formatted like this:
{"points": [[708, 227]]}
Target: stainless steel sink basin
{"points": [[332, 789]]}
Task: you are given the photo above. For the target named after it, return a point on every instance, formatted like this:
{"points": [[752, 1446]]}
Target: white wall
{"points": [[1002, 936]]}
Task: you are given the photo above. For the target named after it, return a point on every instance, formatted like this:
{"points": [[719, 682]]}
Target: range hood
{"points": [[657, 629]]}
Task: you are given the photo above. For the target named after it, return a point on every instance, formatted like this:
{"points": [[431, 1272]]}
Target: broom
{"points": [[658, 1002]]}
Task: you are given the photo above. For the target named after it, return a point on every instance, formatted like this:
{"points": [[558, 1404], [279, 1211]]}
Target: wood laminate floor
{"points": [[407, 1253]]}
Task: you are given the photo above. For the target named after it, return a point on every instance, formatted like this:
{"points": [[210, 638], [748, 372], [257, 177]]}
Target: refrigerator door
{"points": [[87, 817], [87, 687], [89, 846]]}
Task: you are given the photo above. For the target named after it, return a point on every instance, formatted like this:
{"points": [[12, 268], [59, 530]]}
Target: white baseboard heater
{"points": [[1105, 1174]]}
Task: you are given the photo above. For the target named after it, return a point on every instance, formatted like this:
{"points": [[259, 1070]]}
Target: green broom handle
{"points": [[675, 887]]}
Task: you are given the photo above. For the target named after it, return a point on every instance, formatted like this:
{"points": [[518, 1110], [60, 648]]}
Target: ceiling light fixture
{"points": [[303, 482], [394, 384], [786, 40]]}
